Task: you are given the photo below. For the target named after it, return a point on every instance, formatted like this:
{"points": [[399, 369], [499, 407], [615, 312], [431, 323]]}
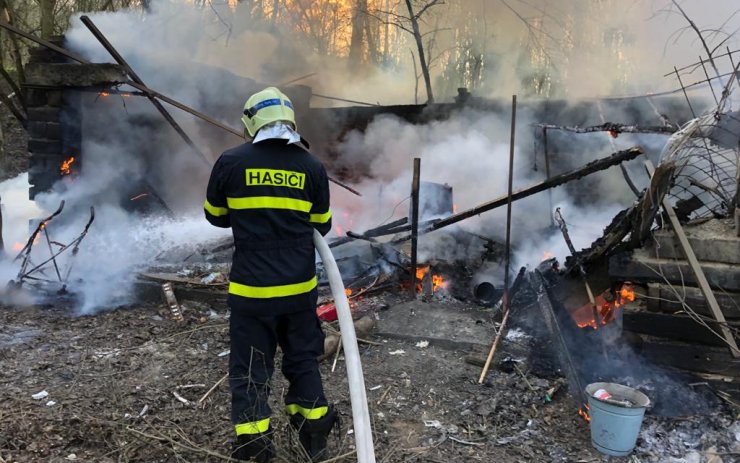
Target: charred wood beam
{"points": [[591, 167], [613, 128], [383, 230], [566, 236], [135, 77], [414, 223], [537, 281]]}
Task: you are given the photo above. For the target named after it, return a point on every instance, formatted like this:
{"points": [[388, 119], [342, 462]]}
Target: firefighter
{"points": [[273, 193]]}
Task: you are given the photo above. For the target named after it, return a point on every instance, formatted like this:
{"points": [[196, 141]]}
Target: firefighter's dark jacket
{"points": [[272, 194]]}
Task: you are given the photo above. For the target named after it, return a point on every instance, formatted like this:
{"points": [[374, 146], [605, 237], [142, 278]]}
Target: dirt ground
{"points": [[111, 383]]}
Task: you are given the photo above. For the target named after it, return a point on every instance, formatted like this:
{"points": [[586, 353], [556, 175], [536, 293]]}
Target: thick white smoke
{"points": [[182, 51]]}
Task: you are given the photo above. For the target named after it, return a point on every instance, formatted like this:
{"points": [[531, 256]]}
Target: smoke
{"points": [[212, 58], [470, 153]]}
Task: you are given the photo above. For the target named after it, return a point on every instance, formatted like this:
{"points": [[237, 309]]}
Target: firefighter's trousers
{"points": [[251, 364]]}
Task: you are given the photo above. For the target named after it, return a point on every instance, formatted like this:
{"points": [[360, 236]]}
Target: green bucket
{"points": [[615, 424]]}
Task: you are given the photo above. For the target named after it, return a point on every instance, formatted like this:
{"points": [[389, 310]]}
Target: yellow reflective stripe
{"points": [[308, 413], [213, 210], [320, 218], [269, 202], [255, 427], [264, 292]]}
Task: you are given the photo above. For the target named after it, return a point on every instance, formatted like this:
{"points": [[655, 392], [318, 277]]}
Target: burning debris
{"points": [[588, 321]]}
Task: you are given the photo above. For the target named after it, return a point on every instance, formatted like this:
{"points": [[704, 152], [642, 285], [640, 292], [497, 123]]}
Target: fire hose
{"points": [[358, 397]]}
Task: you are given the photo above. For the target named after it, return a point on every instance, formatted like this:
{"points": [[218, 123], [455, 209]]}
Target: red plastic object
{"points": [[327, 312]]}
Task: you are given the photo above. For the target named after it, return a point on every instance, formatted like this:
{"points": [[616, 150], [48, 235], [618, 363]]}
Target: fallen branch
{"points": [[181, 398], [213, 388]]}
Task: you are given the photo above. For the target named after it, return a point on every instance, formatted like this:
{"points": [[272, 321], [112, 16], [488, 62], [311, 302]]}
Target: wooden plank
{"points": [[697, 270], [691, 357], [712, 241], [662, 298], [637, 266], [675, 327]]}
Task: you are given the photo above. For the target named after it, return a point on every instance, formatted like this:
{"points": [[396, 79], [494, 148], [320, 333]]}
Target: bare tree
{"points": [[416, 10]]}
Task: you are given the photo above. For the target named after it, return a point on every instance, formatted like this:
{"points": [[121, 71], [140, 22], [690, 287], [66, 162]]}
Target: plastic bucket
{"points": [[615, 427]]}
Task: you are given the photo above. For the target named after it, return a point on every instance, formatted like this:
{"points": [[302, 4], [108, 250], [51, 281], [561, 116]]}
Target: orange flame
{"points": [[607, 309], [348, 292], [66, 167], [547, 255], [583, 412], [437, 280], [17, 247]]}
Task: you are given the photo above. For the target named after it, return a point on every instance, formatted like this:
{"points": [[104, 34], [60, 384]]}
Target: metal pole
{"points": [[414, 223], [505, 298], [507, 257]]}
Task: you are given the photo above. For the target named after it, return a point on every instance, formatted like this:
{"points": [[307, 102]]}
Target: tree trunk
{"points": [[359, 18], [46, 8], [420, 47], [7, 14]]}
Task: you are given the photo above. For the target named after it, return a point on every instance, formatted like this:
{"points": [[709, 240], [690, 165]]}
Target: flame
{"points": [[339, 230], [104, 93], [583, 412], [66, 167], [437, 280], [17, 247], [547, 255], [348, 292], [607, 307], [454, 208], [613, 133]]}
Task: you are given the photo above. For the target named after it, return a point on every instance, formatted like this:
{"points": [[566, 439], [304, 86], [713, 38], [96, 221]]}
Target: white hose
{"points": [[358, 397]]}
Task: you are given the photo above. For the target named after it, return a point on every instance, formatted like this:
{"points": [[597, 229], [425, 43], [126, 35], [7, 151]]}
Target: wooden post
{"points": [[697, 270], [414, 223], [2, 243], [507, 255], [547, 170]]}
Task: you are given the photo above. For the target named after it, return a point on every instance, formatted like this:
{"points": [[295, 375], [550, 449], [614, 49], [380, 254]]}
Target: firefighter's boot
{"points": [[313, 433], [254, 447]]}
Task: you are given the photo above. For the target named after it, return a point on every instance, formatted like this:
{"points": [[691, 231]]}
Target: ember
{"points": [[583, 412], [66, 167], [547, 255]]}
